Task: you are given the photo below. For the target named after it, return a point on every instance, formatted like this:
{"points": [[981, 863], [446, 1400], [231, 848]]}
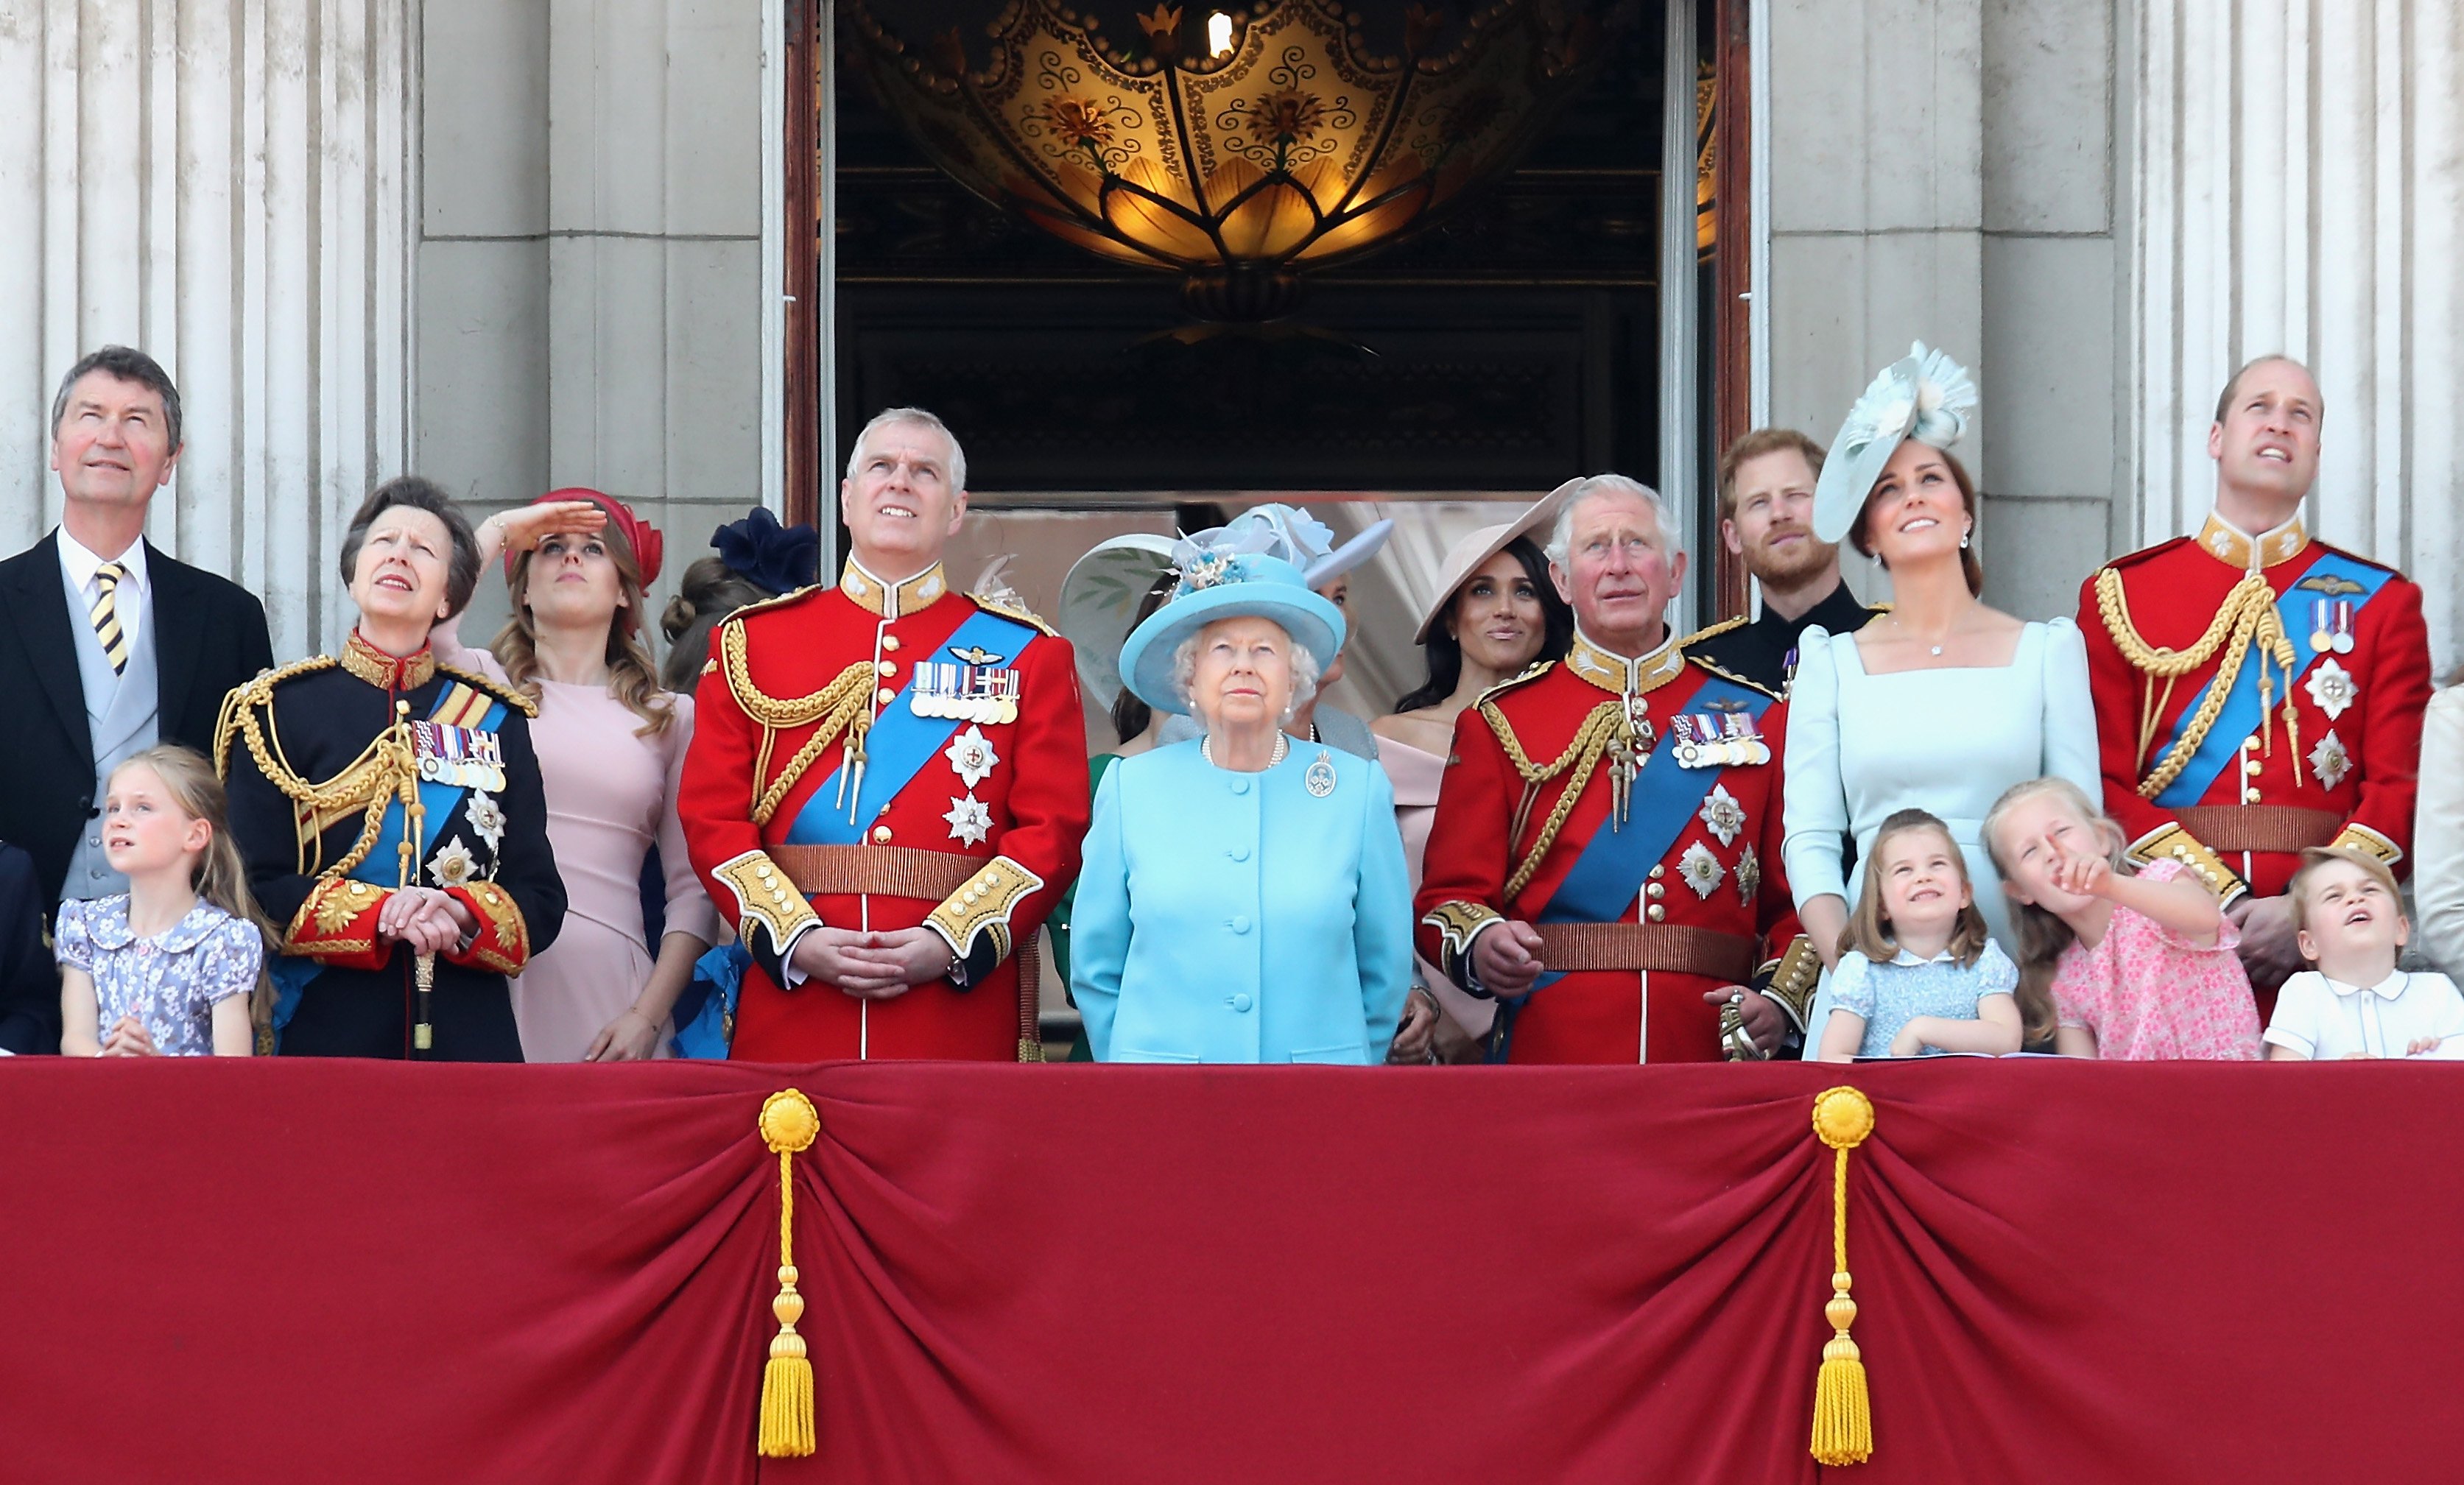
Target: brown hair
{"points": [[2042, 932], [221, 873], [1968, 566], [632, 677], [1869, 928], [709, 591], [1753, 446], [2297, 892]]}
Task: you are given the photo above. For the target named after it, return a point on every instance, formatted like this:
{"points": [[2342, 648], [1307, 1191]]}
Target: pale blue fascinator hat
{"points": [[1925, 396], [1227, 573], [1303, 540]]}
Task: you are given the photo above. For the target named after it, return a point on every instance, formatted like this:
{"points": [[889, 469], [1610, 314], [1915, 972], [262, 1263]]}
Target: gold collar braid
{"points": [[1601, 729], [843, 707], [2248, 617]]}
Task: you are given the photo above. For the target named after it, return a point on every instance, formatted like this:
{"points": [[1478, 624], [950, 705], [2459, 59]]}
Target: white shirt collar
{"points": [[1906, 957], [2388, 989], [79, 563]]}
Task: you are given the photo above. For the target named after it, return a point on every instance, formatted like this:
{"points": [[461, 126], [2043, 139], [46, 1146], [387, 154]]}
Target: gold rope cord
{"points": [[838, 707], [387, 766], [1582, 756], [2248, 617]]}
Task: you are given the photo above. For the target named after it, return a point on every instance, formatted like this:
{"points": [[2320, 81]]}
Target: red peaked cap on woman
{"points": [[640, 534]]}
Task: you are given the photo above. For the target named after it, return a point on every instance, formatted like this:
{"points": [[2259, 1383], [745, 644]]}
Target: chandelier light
{"points": [[1284, 147]]}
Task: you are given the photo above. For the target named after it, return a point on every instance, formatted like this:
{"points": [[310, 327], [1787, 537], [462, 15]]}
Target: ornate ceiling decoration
{"points": [[1288, 148]]}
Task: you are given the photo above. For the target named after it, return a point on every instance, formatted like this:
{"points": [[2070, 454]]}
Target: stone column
{"points": [[226, 186], [2300, 181]]}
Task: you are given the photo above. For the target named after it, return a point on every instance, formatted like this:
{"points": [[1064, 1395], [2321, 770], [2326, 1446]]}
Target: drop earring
{"points": [[1963, 539]]}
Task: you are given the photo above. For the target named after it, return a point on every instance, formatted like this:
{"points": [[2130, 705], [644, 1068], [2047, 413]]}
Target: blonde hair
{"points": [[1869, 928], [2042, 932], [220, 876], [632, 678], [2297, 892]]}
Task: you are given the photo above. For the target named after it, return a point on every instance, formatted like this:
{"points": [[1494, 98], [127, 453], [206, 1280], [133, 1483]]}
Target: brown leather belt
{"points": [[1662, 947], [2230, 829], [874, 870]]}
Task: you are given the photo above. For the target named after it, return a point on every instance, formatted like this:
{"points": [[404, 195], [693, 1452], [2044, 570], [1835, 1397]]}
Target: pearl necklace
{"points": [[1283, 746]]}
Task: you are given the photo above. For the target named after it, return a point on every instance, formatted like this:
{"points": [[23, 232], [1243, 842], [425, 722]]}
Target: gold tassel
{"points": [[790, 1125], [1844, 1423]]}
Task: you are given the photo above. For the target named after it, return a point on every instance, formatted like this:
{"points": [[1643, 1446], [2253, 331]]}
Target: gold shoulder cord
{"points": [[2247, 618], [1582, 756], [838, 707], [389, 766]]}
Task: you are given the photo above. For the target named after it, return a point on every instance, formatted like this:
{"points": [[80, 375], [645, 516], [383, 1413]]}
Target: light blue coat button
{"points": [[1240, 1001], [1239, 853], [1240, 923], [1240, 785]]}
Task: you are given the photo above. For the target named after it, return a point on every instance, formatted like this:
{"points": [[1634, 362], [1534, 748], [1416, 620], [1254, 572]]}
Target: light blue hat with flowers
{"points": [[1226, 574], [1924, 395]]}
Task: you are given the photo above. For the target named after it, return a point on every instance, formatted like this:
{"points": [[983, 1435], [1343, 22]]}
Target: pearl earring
{"points": [[1962, 541]]}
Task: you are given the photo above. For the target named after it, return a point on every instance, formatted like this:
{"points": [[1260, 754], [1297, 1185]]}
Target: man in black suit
{"points": [[107, 647]]}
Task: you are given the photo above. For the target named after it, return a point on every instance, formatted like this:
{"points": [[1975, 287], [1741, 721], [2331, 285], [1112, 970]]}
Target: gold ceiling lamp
{"points": [[1284, 148]]}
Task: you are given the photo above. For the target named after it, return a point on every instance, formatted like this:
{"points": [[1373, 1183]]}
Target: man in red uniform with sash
{"points": [[887, 787], [2258, 691], [1605, 855]]}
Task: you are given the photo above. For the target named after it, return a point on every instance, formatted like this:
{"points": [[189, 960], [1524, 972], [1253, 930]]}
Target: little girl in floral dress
{"points": [[2114, 965], [175, 966]]}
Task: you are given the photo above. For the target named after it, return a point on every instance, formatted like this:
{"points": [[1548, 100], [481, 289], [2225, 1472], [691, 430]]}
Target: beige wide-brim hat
{"points": [[1466, 556]]}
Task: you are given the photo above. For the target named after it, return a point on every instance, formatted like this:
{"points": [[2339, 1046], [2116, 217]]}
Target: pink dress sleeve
{"points": [[689, 906]]}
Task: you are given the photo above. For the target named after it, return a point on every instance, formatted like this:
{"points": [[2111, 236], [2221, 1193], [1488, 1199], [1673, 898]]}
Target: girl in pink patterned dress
{"points": [[2114, 965]]}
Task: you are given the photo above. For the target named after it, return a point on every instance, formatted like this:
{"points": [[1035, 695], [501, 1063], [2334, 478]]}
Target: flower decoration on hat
{"points": [[780, 558], [1925, 396]]}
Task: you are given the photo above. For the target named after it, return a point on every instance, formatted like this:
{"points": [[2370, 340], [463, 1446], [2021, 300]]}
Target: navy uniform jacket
{"points": [[321, 727]]}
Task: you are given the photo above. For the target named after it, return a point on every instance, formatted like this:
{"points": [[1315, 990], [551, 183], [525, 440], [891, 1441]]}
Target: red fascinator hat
{"points": [[648, 545]]}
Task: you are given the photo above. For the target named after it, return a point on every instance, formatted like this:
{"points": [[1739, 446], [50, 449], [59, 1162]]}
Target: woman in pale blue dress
{"points": [[1939, 705]]}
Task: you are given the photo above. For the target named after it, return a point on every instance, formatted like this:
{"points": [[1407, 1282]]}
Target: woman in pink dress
{"points": [[1495, 614], [610, 745]]}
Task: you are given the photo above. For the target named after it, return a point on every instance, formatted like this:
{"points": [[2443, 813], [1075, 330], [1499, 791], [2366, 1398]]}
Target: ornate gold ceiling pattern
{"points": [[1290, 149]]}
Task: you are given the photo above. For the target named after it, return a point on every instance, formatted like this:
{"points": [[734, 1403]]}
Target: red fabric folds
{"points": [[223, 1271]]}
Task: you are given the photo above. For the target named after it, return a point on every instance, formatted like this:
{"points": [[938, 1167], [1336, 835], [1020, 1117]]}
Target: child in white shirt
{"points": [[2354, 1002]]}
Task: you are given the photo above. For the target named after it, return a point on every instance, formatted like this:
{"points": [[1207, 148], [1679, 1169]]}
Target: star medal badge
{"points": [[970, 820], [972, 756], [1319, 780], [2332, 687]]}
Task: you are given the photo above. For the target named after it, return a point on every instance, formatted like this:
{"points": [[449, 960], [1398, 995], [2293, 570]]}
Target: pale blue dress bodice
{"points": [[1949, 740], [1232, 917]]}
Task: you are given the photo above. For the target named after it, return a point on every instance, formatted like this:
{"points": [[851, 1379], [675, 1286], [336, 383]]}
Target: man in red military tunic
{"points": [[2258, 691], [1605, 855], [887, 787]]}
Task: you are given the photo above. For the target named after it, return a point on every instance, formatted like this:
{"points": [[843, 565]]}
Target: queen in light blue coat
{"points": [[1243, 899]]}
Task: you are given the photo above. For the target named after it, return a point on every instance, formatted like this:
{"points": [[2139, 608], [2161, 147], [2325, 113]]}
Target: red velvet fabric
{"points": [[295, 1271]]}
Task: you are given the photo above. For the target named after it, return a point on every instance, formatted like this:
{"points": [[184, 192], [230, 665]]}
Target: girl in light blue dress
{"points": [[1923, 977]]}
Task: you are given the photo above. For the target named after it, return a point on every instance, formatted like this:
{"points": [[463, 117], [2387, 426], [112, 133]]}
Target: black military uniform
{"points": [[355, 775], [1764, 650]]}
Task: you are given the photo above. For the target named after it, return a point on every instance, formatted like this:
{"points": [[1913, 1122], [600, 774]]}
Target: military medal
{"points": [[1319, 780], [2344, 635], [2331, 687], [2331, 625]]}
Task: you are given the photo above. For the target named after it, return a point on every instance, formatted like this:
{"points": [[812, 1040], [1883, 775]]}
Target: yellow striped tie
{"points": [[106, 616]]}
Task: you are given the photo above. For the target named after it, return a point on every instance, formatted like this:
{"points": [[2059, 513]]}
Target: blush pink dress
{"points": [[2148, 993], [1415, 777], [610, 794]]}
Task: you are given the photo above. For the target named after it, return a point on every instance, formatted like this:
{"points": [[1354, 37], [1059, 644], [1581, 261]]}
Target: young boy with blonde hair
{"points": [[2353, 1001]]}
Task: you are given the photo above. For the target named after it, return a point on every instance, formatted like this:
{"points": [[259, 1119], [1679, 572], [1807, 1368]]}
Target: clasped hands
{"points": [[425, 919], [872, 966], [1505, 957]]}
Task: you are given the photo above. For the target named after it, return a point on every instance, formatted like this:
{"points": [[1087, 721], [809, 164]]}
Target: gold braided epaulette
{"points": [[1532, 672], [1009, 610], [1710, 630], [1704, 662], [256, 692], [496, 689], [765, 605]]}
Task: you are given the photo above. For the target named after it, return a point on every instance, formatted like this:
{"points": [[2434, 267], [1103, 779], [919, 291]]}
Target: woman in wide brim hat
{"points": [[1243, 900], [1493, 614], [1939, 705]]}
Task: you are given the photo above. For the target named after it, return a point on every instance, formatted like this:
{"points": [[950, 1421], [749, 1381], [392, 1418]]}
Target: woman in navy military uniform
{"points": [[390, 811], [1244, 898]]}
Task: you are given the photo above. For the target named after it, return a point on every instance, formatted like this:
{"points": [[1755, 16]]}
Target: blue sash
{"points": [[2240, 716], [1614, 864], [381, 868], [900, 744]]}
